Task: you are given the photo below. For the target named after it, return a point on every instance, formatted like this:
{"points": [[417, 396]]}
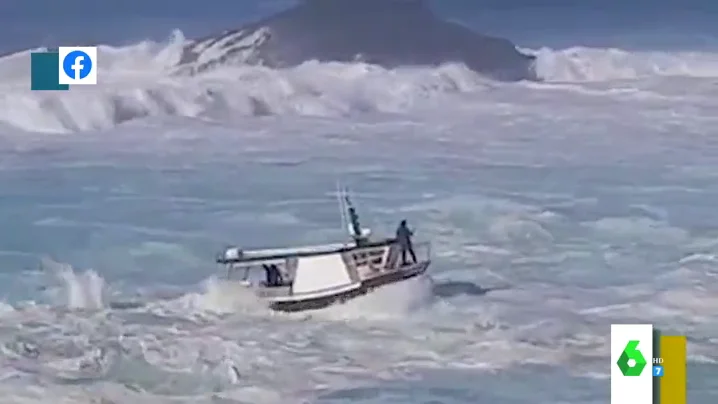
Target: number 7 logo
{"points": [[658, 371]]}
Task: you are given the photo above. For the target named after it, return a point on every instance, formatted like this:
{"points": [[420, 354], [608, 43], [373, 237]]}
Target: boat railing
{"points": [[423, 251]]}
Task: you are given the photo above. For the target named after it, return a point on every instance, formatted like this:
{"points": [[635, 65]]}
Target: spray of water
{"points": [[75, 290]]}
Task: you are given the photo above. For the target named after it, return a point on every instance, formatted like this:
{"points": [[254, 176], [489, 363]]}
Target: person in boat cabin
{"points": [[274, 276], [403, 237]]}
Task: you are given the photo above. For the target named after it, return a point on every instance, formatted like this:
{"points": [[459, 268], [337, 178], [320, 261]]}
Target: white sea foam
{"points": [[140, 81]]}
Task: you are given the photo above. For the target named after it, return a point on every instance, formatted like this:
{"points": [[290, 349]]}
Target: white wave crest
{"points": [[141, 81], [580, 64], [216, 296]]}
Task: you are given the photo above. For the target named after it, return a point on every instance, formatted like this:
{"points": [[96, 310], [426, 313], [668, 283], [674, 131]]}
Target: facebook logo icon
{"points": [[78, 65]]}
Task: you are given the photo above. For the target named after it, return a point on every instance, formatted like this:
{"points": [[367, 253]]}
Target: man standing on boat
{"points": [[403, 237]]}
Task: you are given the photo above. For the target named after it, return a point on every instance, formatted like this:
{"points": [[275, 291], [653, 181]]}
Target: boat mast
{"points": [[354, 227], [342, 211]]}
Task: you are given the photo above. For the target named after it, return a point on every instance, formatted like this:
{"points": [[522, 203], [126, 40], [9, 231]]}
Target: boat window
{"points": [[290, 267]]}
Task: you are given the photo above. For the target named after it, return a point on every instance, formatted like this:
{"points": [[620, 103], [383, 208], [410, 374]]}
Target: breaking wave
{"points": [[139, 81], [580, 64]]}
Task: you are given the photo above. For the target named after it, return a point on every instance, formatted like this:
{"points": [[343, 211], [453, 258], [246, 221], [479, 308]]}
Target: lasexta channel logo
{"points": [[631, 362]]}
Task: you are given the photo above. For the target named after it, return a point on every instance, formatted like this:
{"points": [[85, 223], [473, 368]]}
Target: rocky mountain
{"points": [[389, 33]]}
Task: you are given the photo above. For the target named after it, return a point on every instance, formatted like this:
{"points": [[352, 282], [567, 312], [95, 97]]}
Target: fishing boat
{"points": [[314, 277]]}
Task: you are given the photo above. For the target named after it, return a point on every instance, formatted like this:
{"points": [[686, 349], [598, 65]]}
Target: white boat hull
{"points": [[320, 301]]}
